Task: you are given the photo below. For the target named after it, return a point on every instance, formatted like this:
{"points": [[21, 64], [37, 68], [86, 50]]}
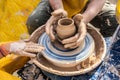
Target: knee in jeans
{"points": [[30, 21]]}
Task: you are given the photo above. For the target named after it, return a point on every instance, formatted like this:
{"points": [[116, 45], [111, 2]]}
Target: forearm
{"points": [[56, 4], [93, 8]]}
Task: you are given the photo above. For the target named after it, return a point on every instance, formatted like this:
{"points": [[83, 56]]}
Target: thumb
{"points": [[27, 54], [77, 18], [59, 12], [33, 48], [52, 37]]}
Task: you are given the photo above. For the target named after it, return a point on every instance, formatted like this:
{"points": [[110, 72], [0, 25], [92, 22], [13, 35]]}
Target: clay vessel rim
{"points": [[72, 21]]}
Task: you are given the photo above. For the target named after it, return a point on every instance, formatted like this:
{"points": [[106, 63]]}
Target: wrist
{"points": [[87, 17], [4, 50]]}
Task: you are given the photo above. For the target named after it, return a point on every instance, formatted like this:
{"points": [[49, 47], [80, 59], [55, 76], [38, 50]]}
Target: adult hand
{"points": [[52, 22], [25, 48], [75, 41]]}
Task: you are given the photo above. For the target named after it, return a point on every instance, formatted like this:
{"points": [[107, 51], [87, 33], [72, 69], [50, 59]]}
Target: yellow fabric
{"points": [[9, 64], [6, 76], [118, 11], [74, 6], [12, 62], [13, 16]]}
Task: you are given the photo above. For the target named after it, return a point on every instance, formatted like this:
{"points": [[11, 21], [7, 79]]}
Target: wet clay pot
{"points": [[65, 28]]}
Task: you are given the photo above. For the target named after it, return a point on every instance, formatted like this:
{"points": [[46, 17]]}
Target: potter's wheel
{"points": [[44, 64], [61, 57]]}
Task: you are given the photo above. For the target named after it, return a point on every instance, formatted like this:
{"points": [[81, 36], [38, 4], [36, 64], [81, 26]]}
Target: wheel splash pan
{"points": [[100, 50]]}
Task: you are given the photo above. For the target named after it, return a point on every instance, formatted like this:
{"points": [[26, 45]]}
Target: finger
{"points": [[47, 28], [52, 37], [34, 49], [26, 40], [59, 12], [73, 47], [71, 39], [23, 53], [82, 31], [69, 45], [37, 33], [75, 44], [29, 44], [78, 44], [81, 27], [81, 38], [78, 17], [50, 22], [34, 45]]}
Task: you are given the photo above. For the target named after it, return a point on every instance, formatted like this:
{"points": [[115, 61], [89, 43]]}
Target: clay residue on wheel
{"points": [[89, 64]]}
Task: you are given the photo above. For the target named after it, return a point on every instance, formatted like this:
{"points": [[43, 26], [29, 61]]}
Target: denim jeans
{"points": [[39, 16]]}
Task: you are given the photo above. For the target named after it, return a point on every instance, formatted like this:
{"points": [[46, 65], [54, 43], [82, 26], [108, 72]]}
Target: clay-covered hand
{"points": [[75, 41], [52, 22], [25, 48]]}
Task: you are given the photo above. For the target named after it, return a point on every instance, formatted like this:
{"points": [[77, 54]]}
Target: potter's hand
{"points": [[50, 25], [25, 48], [75, 41]]}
